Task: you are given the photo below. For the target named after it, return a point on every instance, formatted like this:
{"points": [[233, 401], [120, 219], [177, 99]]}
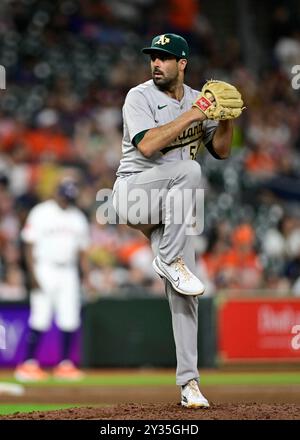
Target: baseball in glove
{"points": [[219, 100]]}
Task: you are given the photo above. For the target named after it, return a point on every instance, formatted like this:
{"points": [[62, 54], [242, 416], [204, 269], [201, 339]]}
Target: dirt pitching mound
{"points": [[128, 411]]}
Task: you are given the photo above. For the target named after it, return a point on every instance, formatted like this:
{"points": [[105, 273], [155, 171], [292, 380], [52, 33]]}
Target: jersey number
{"points": [[193, 151]]}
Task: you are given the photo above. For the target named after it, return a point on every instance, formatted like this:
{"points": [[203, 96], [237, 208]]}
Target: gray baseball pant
{"points": [[170, 241]]}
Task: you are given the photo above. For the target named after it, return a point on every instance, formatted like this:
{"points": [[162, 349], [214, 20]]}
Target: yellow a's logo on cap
{"points": [[163, 40]]}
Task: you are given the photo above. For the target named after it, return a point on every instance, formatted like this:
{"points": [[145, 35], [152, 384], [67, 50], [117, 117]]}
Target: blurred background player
{"points": [[56, 236]]}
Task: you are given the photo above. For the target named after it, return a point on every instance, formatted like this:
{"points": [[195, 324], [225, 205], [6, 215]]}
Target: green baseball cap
{"points": [[169, 43]]}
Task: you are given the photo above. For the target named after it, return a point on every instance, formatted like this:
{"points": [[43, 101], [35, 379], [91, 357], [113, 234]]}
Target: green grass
{"points": [[208, 378], [28, 407], [168, 378]]}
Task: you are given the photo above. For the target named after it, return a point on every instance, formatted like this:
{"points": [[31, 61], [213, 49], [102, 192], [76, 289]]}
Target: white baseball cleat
{"points": [[191, 396], [180, 276]]}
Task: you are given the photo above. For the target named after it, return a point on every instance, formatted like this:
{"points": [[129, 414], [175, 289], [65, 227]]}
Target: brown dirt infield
{"points": [[134, 411], [159, 403]]}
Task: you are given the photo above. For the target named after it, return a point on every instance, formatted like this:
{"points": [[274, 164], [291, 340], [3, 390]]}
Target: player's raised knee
{"points": [[191, 170]]}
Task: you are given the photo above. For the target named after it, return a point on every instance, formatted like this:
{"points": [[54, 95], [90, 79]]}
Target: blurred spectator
{"points": [[12, 288], [234, 264], [287, 51], [47, 140], [242, 267], [282, 22]]}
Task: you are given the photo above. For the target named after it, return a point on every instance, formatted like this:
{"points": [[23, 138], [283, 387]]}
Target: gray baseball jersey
{"points": [[147, 107]]}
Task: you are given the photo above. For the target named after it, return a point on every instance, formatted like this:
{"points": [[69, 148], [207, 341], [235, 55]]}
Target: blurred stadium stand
{"points": [[69, 65]]}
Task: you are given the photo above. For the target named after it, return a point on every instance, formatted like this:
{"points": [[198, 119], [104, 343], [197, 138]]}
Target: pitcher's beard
{"points": [[164, 84]]}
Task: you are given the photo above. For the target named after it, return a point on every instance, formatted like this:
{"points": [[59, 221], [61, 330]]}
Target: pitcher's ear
{"points": [[182, 63]]}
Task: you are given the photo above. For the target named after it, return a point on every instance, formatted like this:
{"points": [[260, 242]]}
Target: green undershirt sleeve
{"points": [[138, 137]]}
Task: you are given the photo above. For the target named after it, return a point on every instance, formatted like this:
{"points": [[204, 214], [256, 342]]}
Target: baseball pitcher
{"points": [[165, 122]]}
